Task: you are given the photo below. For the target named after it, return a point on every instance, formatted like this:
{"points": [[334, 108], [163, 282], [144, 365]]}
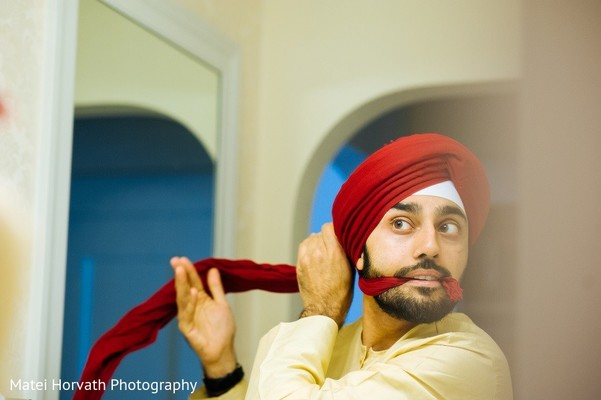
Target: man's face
{"points": [[424, 238]]}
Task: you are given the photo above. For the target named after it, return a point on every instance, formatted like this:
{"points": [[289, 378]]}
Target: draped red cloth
{"points": [[391, 174], [376, 286], [141, 325]]}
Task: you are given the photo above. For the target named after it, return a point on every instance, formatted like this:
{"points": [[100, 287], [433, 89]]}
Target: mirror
{"points": [[150, 106], [195, 37]]}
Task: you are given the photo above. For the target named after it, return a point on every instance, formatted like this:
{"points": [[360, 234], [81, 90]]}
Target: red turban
{"points": [[398, 170], [385, 178]]}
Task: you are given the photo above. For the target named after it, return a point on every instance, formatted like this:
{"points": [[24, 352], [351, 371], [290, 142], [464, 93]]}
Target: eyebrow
{"points": [[451, 210], [442, 211], [412, 208]]}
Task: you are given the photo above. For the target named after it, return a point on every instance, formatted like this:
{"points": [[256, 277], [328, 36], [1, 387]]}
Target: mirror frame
{"points": [[182, 29]]}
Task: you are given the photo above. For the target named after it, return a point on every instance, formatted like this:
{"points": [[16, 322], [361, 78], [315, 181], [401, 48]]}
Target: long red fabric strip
{"points": [[376, 286], [141, 325]]}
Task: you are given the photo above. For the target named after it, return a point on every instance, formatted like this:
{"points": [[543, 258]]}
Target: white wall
{"points": [[28, 38], [127, 66], [323, 60]]}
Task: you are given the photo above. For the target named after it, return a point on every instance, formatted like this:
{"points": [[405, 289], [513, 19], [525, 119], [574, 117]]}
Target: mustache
{"points": [[426, 263]]}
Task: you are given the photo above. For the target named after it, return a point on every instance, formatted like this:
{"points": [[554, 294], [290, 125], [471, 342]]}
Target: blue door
{"points": [[142, 191]]}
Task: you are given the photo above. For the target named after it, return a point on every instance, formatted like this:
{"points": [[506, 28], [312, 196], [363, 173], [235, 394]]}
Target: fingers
{"points": [[182, 286], [316, 238], [327, 228], [185, 296], [329, 236], [191, 274], [187, 279], [216, 286], [187, 287], [326, 235], [325, 241], [186, 313]]}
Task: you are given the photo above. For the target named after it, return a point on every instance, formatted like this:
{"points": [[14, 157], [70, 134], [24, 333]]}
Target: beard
{"points": [[412, 303]]}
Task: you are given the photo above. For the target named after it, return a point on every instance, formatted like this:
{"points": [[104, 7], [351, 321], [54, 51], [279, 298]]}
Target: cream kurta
{"points": [[311, 359]]}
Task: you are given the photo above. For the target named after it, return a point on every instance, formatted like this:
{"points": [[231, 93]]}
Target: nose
{"points": [[426, 243]]}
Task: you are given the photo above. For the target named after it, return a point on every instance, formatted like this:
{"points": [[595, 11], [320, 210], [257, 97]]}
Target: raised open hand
{"points": [[205, 318]]}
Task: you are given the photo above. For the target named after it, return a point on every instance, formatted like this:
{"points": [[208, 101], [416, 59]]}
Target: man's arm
{"points": [[325, 281], [205, 318]]}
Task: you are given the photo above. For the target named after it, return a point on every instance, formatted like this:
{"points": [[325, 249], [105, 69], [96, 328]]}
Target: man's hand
{"points": [[205, 320], [325, 278]]}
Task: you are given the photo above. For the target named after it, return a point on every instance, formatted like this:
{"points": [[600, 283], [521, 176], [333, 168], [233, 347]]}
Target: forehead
{"points": [[426, 204]]}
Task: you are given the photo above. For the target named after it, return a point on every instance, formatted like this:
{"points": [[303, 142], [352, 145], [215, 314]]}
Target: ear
{"points": [[360, 263]]}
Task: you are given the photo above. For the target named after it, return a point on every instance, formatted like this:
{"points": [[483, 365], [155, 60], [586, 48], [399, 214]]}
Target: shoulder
{"points": [[457, 330], [456, 334], [455, 351]]}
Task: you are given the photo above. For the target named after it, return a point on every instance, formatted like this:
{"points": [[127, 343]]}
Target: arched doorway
{"points": [[141, 191]]}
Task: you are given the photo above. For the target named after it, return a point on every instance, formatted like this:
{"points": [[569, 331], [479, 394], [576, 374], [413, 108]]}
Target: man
{"points": [[404, 219]]}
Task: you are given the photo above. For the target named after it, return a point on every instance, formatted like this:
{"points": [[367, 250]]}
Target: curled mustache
{"points": [[426, 263]]}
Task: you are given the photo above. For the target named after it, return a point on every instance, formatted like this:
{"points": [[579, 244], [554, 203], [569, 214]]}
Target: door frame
{"points": [[183, 29]]}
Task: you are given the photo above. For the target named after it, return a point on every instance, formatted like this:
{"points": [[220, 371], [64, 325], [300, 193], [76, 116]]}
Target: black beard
{"points": [[431, 305]]}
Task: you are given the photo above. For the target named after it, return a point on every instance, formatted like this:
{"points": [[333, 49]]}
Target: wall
{"points": [[23, 47], [322, 61], [15, 234], [559, 289], [128, 67]]}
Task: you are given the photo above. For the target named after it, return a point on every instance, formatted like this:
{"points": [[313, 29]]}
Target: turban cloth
{"points": [[388, 176], [141, 325]]}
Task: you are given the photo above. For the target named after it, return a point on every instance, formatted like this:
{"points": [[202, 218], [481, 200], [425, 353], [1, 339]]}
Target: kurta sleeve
{"points": [[236, 393], [293, 358]]}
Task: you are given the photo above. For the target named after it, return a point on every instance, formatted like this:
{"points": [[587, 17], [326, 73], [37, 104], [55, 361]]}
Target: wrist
{"points": [[337, 316], [220, 368], [218, 386]]}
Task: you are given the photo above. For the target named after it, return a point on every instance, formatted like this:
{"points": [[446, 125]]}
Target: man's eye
{"points": [[401, 225], [449, 228]]}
